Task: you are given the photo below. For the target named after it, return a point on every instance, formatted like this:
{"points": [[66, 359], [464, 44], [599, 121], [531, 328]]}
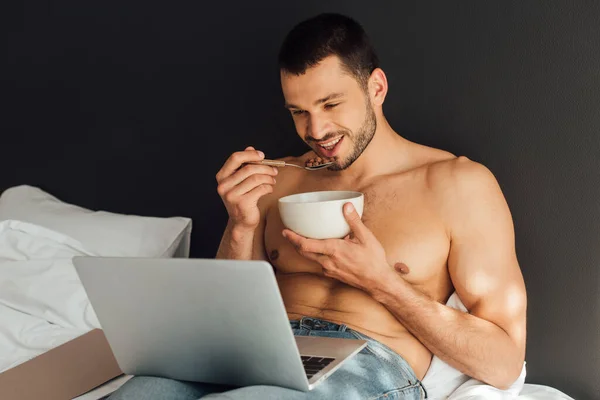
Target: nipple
{"points": [[402, 268]]}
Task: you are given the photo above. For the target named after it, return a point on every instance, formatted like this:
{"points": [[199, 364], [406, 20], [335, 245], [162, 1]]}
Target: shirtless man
{"points": [[433, 224]]}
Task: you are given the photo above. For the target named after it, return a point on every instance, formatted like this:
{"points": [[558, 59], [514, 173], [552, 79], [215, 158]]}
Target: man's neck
{"points": [[381, 156]]}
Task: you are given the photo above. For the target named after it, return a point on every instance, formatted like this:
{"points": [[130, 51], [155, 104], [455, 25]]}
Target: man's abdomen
{"points": [[307, 294]]}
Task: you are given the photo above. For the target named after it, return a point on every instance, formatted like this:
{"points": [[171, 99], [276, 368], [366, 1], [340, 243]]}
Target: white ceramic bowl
{"points": [[319, 215]]}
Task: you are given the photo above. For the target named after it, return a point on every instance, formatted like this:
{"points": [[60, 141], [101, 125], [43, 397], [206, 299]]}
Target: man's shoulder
{"points": [[460, 180], [457, 169]]}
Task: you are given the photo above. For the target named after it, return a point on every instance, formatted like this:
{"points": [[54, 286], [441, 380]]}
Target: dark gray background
{"points": [[132, 107]]}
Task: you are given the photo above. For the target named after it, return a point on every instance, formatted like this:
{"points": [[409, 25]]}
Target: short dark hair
{"points": [[325, 35]]}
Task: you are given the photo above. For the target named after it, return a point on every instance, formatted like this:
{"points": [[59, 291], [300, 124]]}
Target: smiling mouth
{"points": [[331, 144], [330, 148]]}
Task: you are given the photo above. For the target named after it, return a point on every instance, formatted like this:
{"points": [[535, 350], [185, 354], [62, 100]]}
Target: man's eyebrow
{"points": [[325, 99], [332, 96]]}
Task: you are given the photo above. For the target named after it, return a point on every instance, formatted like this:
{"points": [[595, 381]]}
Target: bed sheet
{"points": [[42, 302]]}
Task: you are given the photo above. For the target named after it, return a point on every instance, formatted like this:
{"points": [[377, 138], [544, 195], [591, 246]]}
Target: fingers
{"points": [[310, 246], [248, 185], [241, 188], [359, 230], [236, 160], [247, 204], [249, 176], [244, 195], [235, 180], [255, 194]]}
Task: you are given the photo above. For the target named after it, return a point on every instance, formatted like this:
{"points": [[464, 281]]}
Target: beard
{"points": [[361, 139]]}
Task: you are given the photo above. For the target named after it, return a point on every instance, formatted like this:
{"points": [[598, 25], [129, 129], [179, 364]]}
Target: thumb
{"points": [[354, 221]]}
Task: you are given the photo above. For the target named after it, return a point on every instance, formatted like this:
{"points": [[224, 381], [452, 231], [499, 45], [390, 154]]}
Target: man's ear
{"points": [[378, 87]]}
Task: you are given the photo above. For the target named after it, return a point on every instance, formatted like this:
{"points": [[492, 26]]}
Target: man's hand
{"points": [[241, 186], [358, 259]]}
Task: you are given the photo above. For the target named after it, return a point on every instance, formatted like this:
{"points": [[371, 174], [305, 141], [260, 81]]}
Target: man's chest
{"points": [[407, 225]]}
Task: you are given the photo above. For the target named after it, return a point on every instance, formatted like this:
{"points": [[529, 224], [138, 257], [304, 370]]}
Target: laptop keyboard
{"points": [[313, 364]]}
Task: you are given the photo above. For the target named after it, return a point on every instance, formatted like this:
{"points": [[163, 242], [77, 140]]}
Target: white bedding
{"points": [[43, 304], [442, 381]]}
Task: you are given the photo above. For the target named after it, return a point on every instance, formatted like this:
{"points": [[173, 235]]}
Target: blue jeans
{"points": [[377, 372]]}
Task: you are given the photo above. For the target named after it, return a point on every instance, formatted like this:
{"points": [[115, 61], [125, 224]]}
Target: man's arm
{"points": [[488, 343], [243, 187], [239, 244]]}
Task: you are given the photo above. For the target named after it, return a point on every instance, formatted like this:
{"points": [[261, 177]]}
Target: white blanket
{"points": [[42, 302], [445, 382]]}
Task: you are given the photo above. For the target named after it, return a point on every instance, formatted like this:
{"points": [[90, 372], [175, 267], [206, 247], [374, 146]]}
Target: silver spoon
{"points": [[277, 163]]}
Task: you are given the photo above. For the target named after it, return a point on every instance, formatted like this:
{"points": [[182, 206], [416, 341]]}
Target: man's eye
{"points": [[297, 112], [330, 106]]}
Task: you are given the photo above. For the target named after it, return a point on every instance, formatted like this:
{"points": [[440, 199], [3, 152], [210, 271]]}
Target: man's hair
{"points": [[324, 35]]}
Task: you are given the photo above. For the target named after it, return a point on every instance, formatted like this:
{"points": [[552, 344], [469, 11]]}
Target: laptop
{"points": [[205, 320]]}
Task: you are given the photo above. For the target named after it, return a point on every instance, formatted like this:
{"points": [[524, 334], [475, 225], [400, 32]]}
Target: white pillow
{"points": [[101, 232]]}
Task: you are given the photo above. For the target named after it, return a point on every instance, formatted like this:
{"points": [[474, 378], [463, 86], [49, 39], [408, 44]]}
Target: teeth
{"points": [[331, 144]]}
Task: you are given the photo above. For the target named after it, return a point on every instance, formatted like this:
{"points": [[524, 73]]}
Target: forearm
{"points": [[472, 345], [236, 243]]}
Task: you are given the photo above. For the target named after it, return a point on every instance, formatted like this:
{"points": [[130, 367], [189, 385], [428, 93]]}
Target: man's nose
{"points": [[317, 127]]}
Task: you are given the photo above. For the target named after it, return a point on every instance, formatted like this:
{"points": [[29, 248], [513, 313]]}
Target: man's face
{"points": [[331, 111]]}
